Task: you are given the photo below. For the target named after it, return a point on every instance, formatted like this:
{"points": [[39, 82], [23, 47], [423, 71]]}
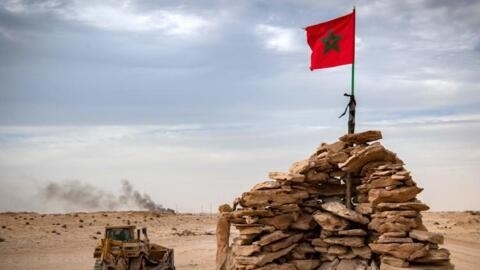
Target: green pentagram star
{"points": [[330, 42]]}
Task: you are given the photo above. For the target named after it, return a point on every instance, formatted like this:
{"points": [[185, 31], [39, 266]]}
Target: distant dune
{"points": [[66, 241]]}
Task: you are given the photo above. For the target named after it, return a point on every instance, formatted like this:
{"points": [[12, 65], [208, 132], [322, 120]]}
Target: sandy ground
{"points": [[66, 241]]}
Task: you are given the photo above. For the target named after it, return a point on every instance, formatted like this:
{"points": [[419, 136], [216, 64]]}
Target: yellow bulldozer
{"points": [[121, 250]]}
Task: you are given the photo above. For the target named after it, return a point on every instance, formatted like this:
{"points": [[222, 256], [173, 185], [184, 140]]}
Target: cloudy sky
{"points": [[195, 101]]}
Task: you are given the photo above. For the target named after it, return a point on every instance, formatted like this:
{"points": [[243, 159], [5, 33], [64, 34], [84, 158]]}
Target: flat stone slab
{"points": [[341, 210], [329, 221], [431, 237], [362, 137], [418, 267], [287, 177]]}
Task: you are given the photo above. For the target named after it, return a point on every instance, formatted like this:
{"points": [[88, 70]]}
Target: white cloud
{"points": [[425, 120], [280, 39], [119, 16]]}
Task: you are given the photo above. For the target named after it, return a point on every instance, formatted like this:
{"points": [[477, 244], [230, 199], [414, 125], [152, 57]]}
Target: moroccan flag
{"points": [[332, 42]]}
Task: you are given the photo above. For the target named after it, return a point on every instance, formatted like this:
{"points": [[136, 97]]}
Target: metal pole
{"points": [[351, 120]]}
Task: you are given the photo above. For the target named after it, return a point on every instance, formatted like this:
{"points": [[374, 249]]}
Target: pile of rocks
{"points": [[387, 194], [298, 220]]}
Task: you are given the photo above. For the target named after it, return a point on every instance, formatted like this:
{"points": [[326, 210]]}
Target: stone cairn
{"points": [[298, 220]]}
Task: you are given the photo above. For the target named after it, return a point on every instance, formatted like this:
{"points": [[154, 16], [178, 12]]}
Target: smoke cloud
{"points": [[81, 196]]}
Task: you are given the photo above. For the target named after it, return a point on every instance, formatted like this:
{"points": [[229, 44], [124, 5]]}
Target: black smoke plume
{"points": [[76, 194]]}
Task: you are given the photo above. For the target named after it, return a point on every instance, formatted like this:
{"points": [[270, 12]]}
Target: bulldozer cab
{"points": [[122, 234]]}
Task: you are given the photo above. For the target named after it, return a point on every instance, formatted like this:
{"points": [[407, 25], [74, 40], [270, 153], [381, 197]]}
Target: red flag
{"points": [[332, 42]]}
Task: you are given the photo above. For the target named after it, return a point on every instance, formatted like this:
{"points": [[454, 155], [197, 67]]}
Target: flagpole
{"points": [[352, 104], [351, 120]]}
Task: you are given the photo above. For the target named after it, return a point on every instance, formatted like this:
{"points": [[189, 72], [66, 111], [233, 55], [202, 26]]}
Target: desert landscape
{"points": [[66, 241], [169, 116]]}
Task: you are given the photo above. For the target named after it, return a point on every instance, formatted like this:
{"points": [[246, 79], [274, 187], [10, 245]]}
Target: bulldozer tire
{"points": [[99, 265]]}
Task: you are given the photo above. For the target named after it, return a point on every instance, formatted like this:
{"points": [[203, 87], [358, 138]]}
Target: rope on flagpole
{"points": [[352, 103]]}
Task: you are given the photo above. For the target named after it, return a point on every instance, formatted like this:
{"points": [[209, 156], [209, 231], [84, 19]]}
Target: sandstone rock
{"points": [[268, 197], [251, 220], [362, 137], [374, 152], [394, 234], [281, 222], [266, 185], [316, 177], [447, 266], [322, 249], [242, 241], [254, 228], [385, 259], [362, 252], [391, 167], [320, 163], [272, 237], [286, 208], [304, 222], [399, 195], [327, 257], [300, 166], [332, 148], [347, 256], [336, 158], [407, 251], [384, 240], [283, 243], [332, 265], [403, 172], [435, 256], [364, 208], [329, 221], [353, 232], [393, 224], [349, 241], [404, 213], [381, 173], [301, 251], [413, 205], [223, 235], [325, 233], [318, 242], [378, 183], [264, 257], [331, 190], [341, 210], [362, 198], [305, 264], [286, 177], [371, 167], [253, 213], [352, 264], [225, 208], [274, 266], [431, 237], [400, 177], [337, 249], [245, 250]]}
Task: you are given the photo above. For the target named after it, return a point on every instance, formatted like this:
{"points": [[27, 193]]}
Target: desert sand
{"points": [[66, 241]]}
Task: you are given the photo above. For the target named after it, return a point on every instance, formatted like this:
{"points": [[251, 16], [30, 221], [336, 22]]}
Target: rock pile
{"points": [[298, 220]]}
